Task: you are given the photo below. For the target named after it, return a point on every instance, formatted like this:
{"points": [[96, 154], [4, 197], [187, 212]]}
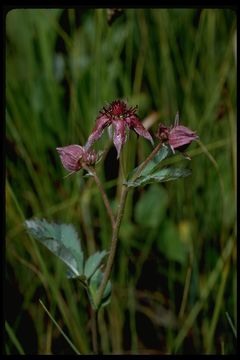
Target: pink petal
{"points": [[101, 123], [181, 135], [135, 124], [119, 136], [70, 156]]}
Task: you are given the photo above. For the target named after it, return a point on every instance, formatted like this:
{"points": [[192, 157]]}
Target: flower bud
{"points": [[74, 156], [178, 137]]}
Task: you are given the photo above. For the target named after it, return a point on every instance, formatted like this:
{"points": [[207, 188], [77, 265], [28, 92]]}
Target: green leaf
{"points": [[164, 152], [81, 278], [94, 284], [93, 263], [165, 174], [61, 239], [151, 207]]}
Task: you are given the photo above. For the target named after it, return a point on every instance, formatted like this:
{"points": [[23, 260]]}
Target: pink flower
{"points": [[178, 137], [121, 117], [73, 157]]}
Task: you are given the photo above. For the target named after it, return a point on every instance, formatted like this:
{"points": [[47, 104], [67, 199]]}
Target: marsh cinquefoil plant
{"points": [[62, 239]]}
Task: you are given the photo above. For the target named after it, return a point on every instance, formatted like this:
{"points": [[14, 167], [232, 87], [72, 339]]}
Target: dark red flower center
{"points": [[118, 109], [163, 132]]}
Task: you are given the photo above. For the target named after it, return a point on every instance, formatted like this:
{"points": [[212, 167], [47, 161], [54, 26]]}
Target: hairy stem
{"points": [[116, 227], [113, 248], [104, 196]]}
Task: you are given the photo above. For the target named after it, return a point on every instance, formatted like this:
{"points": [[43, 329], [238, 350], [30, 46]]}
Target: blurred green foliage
{"points": [[175, 272]]}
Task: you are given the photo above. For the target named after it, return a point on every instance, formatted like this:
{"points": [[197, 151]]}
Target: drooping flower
{"points": [[121, 117], [178, 137], [74, 156]]}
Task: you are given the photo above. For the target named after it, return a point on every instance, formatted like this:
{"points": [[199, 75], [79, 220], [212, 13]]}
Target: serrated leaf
{"points": [[62, 253], [94, 284], [69, 237], [107, 294], [61, 239], [164, 152], [93, 262], [165, 174]]}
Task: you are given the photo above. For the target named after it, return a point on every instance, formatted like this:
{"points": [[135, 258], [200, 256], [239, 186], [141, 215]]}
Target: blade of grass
{"points": [[59, 328], [234, 330], [212, 278], [48, 280], [14, 339], [132, 314], [217, 309]]}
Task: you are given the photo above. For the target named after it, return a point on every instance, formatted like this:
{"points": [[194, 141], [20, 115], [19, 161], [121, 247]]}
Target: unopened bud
{"points": [[74, 156]]}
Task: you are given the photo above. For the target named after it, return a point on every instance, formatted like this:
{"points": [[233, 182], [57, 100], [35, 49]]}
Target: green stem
{"points": [[116, 227], [94, 328], [104, 196], [146, 161], [113, 245]]}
